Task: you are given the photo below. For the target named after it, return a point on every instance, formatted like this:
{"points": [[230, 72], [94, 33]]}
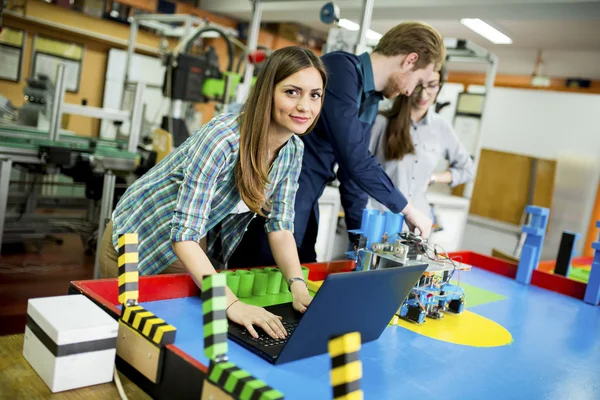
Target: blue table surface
{"points": [[555, 353]]}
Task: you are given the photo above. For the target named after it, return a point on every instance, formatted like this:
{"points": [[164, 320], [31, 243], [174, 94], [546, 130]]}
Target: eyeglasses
{"points": [[431, 89]]}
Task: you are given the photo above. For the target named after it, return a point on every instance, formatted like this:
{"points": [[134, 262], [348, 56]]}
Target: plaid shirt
{"points": [[192, 193]]}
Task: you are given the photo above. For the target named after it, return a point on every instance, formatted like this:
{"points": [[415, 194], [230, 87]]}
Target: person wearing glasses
{"points": [[409, 140]]}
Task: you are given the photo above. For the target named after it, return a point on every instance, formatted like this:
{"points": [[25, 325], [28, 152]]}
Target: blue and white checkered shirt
{"points": [[192, 193]]}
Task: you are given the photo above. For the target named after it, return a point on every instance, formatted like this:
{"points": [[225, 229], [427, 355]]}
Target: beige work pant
{"points": [[109, 267]]}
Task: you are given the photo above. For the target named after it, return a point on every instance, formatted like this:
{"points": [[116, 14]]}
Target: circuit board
{"points": [[433, 294]]}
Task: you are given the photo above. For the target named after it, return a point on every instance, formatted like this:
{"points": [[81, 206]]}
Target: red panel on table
{"points": [[151, 288], [492, 264], [558, 283], [319, 271]]}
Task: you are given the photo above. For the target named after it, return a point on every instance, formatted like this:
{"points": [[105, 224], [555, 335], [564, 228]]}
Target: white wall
{"points": [[552, 125], [542, 124]]}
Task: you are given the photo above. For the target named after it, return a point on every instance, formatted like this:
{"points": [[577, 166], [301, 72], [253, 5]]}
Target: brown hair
{"points": [[251, 170], [414, 37], [398, 142]]}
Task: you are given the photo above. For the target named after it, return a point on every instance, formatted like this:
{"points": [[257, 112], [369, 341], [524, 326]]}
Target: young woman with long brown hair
{"points": [[198, 201], [409, 140]]}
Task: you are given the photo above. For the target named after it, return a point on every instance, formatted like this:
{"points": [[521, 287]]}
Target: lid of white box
{"points": [[71, 319]]}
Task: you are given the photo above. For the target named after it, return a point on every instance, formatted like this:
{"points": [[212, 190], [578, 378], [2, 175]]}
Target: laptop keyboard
{"points": [[264, 340]]}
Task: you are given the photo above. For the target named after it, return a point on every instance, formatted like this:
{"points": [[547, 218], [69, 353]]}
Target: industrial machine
{"points": [[37, 108], [38, 154], [192, 73]]}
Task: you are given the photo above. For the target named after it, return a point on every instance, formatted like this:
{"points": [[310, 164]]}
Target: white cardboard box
{"points": [[70, 342]]}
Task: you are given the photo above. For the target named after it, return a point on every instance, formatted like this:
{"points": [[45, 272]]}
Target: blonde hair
{"points": [[251, 170], [414, 37]]}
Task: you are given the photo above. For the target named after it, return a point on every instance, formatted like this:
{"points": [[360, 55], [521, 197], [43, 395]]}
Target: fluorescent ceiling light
{"points": [[490, 33], [353, 26]]}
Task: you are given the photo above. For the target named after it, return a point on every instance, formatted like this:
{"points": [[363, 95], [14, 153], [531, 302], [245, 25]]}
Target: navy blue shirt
{"points": [[342, 136]]}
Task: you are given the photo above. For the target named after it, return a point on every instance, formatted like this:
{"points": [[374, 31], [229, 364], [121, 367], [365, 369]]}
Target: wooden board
{"points": [[19, 381], [544, 183], [139, 352], [212, 392], [502, 186], [504, 256]]}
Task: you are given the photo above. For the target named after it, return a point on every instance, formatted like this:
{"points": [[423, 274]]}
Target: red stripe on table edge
{"points": [[541, 279]]}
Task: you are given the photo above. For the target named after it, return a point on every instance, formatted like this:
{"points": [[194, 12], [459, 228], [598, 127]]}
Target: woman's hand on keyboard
{"points": [[301, 296], [248, 316]]}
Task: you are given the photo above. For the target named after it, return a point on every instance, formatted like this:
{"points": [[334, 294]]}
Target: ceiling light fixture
{"points": [[353, 26], [487, 31]]}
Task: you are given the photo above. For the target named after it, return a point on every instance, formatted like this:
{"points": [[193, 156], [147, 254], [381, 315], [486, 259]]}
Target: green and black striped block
{"points": [[239, 383], [214, 305]]}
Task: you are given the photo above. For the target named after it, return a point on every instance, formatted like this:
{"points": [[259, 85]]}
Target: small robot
{"points": [[433, 294]]}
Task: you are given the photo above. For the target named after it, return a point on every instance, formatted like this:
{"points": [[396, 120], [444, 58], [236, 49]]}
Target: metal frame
{"points": [[365, 24], [253, 30], [5, 168], [108, 194], [458, 50], [59, 108], [59, 95], [95, 112]]}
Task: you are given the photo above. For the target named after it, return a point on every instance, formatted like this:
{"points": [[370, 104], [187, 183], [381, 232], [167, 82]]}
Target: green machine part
{"points": [[215, 88]]}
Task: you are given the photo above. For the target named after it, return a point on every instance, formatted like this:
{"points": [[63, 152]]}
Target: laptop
{"points": [[363, 301]]}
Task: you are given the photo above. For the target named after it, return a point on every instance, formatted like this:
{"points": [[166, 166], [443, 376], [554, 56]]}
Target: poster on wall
{"points": [[11, 54], [47, 64], [48, 53], [10, 63]]}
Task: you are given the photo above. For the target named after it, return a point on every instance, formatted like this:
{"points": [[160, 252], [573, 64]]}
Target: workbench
{"points": [[511, 342], [30, 146]]}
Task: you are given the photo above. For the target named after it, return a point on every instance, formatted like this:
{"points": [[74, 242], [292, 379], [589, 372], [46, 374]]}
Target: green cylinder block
{"points": [[261, 278], [246, 283], [274, 282], [233, 281]]}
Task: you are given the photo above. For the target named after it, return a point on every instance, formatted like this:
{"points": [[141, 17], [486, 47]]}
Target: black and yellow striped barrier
{"points": [[346, 368], [239, 383], [214, 304], [149, 325], [128, 269]]}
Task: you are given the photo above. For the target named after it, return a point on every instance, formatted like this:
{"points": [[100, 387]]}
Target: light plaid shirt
{"points": [[192, 193]]}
